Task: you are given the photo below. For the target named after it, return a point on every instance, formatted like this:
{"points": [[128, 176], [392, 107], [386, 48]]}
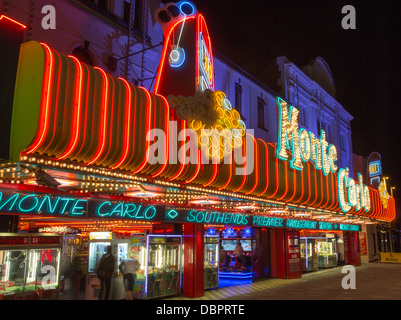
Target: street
{"points": [[374, 281]]}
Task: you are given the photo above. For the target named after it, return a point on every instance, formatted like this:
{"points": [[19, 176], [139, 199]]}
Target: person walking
{"points": [[128, 268], [105, 271]]}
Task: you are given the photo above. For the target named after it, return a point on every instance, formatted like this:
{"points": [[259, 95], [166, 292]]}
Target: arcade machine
{"points": [[211, 260], [163, 265], [98, 243], [327, 251], [237, 249], [309, 260], [29, 265], [134, 247]]}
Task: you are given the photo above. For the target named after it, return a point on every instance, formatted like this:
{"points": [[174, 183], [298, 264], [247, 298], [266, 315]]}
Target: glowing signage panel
{"points": [[304, 146], [124, 210], [375, 168], [46, 204]]}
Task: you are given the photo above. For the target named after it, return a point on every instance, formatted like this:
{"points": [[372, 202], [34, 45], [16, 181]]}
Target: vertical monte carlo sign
{"points": [[305, 146]]}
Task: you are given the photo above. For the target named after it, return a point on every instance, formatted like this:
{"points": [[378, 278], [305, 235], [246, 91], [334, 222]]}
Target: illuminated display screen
{"points": [[374, 168], [246, 245], [228, 245]]}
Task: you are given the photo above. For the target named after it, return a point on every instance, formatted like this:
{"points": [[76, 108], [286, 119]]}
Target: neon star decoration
{"points": [[218, 125], [384, 196]]}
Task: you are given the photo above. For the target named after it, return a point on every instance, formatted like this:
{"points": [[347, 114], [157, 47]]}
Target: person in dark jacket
{"points": [[105, 271]]}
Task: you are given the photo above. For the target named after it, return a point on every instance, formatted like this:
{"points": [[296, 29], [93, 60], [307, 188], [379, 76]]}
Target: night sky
{"points": [[365, 62]]}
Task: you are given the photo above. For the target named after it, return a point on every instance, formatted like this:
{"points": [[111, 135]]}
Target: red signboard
{"points": [[362, 243], [293, 255], [13, 241], [43, 240]]}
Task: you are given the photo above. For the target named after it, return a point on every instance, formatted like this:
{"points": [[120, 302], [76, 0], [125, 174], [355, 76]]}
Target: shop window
{"points": [[319, 126], [261, 113], [100, 3], [127, 11], [138, 17], [238, 99], [343, 143], [303, 117]]}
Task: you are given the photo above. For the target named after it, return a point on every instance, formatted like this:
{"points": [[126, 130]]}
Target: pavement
{"points": [[373, 281]]}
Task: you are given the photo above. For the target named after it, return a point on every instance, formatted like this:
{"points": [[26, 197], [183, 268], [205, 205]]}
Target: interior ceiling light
{"points": [[143, 194], [205, 201], [321, 217], [301, 214], [250, 206], [62, 182]]}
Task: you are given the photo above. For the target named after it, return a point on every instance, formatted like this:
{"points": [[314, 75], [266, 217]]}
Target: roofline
{"points": [[219, 56]]}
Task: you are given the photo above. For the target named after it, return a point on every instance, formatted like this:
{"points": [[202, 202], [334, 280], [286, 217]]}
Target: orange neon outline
{"points": [[295, 184], [285, 180], [302, 187], [184, 126], [77, 111], [215, 171], [127, 131], [45, 103], [321, 187], [277, 176], [57, 100], [256, 168], [149, 106], [103, 123], [85, 120], [164, 52], [316, 194], [309, 188], [244, 166], [327, 190], [197, 169], [114, 83], [166, 129], [230, 172], [334, 191], [12, 20], [267, 169]]}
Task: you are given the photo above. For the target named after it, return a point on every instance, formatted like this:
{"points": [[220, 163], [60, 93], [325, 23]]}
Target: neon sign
{"points": [[304, 147], [383, 194], [205, 65], [125, 210], [42, 204], [264, 221], [374, 168], [217, 217], [351, 194]]}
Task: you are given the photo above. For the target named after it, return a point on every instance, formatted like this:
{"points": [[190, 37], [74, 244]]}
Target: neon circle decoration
{"points": [[177, 57]]}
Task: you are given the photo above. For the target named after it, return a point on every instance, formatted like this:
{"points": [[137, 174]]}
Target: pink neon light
{"points": [[46, 97], [77, 111], [127, 124], [104, 120], [148, 127], [166, 128], [12, 20]]}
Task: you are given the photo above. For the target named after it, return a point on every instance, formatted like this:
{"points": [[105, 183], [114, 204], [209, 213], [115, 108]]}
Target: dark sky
{"points": [[365, 62]]}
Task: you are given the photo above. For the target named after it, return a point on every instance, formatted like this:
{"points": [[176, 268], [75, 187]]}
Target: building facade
{"points": [[84, 164]]}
